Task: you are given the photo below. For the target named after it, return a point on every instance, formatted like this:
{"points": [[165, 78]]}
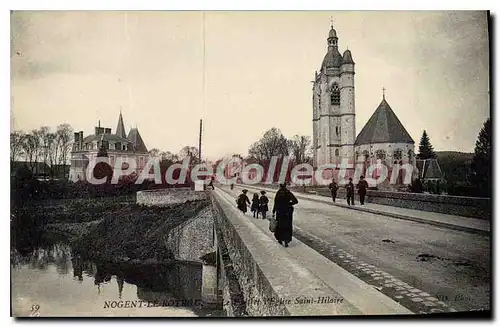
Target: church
{"points": [[113, 146], [382, 140]]}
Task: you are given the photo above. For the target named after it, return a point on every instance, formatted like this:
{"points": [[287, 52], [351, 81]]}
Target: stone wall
{"points": [[479, 208], [194, 238], [245, 286], [261, 279], [453, 205], [165, 197]]}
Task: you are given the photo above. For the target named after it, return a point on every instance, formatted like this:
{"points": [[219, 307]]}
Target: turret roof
{"points": [[135, 137], [120, 128]]}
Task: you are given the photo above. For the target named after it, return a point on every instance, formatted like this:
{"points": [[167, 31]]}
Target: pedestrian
{"points": [[263, 204], [333, 188], [362, 187], [255, 205], [232, 186], [211, 183], [284, 201], [242, 201], [350, 192]]}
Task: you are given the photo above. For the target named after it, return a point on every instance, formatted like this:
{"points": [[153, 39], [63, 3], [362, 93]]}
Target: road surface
{"points": [[453, 266]]}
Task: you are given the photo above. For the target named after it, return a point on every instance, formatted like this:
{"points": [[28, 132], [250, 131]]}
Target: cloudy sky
{"points": [[245, 72]]}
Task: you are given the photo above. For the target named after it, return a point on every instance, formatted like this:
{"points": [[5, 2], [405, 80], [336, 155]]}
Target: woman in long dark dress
{"points": [[242, 201], [284, 201]]}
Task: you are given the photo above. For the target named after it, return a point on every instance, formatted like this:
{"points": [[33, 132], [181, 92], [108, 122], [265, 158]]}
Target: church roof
{"points": [[105, 137], [333, 58], [332, 33], [120, 128], [347, 58], [135, 137], [383, 127]]}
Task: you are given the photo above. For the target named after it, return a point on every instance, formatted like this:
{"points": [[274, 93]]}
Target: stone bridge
{"points": [[363, 260]]}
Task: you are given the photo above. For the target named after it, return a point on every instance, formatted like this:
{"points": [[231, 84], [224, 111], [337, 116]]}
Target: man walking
{"points": [[362, 187], [333, 189], [350, 192]]}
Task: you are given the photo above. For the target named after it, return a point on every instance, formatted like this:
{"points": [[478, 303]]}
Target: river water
{"points": [[48, 282]]}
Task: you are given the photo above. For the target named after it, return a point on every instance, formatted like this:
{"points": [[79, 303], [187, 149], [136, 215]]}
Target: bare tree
{"points": [[45, 139], [189, 151], [272, 143], [168, 157], [64, 140], [16, 145], [50, 141], [300, 148], [154, 152], [31, 147]]}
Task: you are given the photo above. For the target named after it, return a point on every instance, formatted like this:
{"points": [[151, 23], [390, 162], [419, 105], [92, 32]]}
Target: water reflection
{"points": [[64, 285]]}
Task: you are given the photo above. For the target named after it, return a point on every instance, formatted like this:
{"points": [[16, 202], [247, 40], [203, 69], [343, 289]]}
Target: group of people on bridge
{"points": [[284, 200], [350, 189]]}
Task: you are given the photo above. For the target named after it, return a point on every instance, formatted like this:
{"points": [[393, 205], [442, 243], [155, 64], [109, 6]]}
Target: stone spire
{"points": [[120, 128]]}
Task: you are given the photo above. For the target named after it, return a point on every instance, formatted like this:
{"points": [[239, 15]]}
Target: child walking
{"points": [[263, 207]]}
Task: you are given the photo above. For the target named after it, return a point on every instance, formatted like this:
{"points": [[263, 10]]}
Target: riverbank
{"points": [[111, 229]]}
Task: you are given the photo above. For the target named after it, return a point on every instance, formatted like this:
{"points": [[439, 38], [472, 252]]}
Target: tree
{"points": [[168, 157], [63, 139], [50, 140], [189, 151], [272, 143], [16, 145], [154, 152], [300, 148], [31, 146], [481, 162], [425, 150], [45, 142]]}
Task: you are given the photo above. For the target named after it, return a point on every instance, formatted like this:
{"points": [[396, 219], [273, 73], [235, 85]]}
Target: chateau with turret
{"points": [[112, 146], [382, 140]]}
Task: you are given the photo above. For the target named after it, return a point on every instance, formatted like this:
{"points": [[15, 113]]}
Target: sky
{"points": [[245, 72]]}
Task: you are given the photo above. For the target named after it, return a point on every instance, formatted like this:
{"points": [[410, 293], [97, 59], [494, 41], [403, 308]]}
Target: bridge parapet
{"points": [[273, 282], [169, 196]]}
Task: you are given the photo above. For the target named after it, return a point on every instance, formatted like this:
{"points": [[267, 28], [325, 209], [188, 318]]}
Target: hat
{"points": [[262, 192], [283, 185], [244, 191]]}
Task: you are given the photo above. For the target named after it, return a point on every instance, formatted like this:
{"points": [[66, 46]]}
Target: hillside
{"points": [[455, 165]]}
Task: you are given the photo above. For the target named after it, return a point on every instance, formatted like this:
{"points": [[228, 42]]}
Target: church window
{"points": [[335, 94], [380, 154], [337, 130], [398, 154], [410, 155], [319, 102], [337, 152], [366, 154]]}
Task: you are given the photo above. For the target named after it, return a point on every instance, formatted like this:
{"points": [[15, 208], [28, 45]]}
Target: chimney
{"points": [[80, 139], [99, 130], [76, 144]]}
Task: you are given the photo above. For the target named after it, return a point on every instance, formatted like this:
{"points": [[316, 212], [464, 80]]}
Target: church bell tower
{"points": [[334, 128]]}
